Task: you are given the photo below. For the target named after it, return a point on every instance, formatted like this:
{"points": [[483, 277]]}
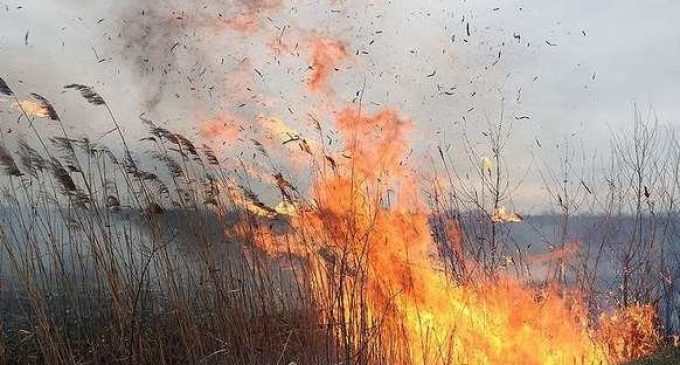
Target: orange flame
{"points": [[374, 272], [385, 251], [248, 20], [629, 333], [222, 128], [502, 215], [33, 109], [564, 253], [326, 54]]}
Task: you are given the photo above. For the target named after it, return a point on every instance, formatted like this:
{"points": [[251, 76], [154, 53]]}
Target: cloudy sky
{"points": [[559, 70]]}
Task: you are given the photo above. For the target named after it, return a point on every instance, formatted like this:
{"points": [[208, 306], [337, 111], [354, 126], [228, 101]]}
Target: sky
{"points": [[558, 71]]}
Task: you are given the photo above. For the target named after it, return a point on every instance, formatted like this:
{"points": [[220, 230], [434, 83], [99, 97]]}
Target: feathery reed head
{"points": [[88, 93], [4, 89], [47, 106], [7, 163], [30, 159]]}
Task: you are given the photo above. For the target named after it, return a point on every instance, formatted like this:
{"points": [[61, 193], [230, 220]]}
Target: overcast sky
{"points": [[573, 67]]}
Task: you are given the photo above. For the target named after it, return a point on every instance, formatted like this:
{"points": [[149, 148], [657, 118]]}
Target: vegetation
{"points": [[104, 261], [669, 356]]}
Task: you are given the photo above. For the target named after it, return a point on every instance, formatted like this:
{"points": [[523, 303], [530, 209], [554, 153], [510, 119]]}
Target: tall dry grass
{"points": [[104, 261]]}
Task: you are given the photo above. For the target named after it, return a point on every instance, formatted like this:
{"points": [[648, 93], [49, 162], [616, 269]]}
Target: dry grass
{"points": [[105, 262]]}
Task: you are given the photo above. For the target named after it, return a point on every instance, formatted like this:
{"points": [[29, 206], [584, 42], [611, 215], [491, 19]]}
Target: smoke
{"points": [[182, 62], [171, 46], [150, 40]]}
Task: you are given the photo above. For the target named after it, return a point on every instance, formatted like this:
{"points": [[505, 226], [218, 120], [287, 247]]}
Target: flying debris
{"points": [[583, 183], [327, 213], [330, 160]]}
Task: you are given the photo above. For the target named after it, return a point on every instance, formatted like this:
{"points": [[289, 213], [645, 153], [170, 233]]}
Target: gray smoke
{"points": [[565, 70]]}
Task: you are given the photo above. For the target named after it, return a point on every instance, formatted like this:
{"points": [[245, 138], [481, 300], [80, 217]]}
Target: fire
{"points": [[373, 269], [245, 23], [249, 202], [277, 129], [487, 166], [381, 248], [564, 253], [286, 208], [223, 128], [502, 215], [248, 19], [33, 109], [629, 333], [325, 53]]}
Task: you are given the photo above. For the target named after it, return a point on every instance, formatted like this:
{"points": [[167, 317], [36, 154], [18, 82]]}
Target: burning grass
{"points": [[348, 272], [668, 356]]}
